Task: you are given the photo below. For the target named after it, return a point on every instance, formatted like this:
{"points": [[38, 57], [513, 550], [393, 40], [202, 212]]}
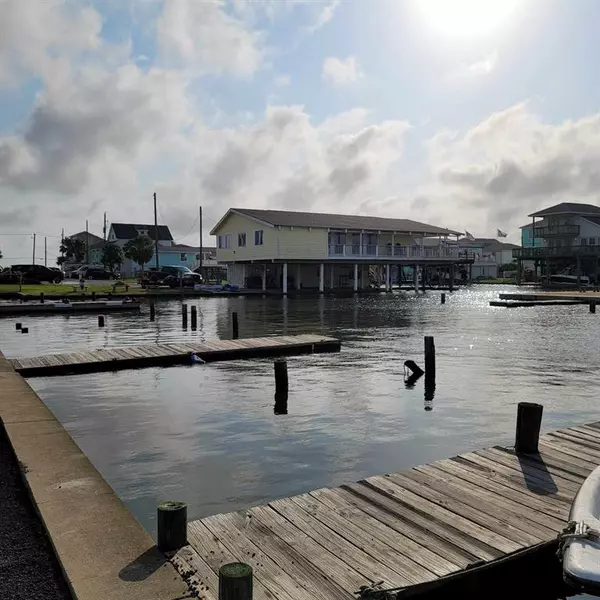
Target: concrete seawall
{"points": [[102, 550]]}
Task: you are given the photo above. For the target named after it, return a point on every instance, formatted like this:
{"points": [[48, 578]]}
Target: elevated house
{"points": [[299, 250], [565, 239], [489, 254]]}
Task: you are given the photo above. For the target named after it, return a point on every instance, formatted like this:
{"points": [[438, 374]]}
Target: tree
{"points": [[140, 250], [71, 250], [112, 256]]}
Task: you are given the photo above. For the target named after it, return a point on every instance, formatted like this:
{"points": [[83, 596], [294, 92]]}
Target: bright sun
{"points": [[465, 17]]}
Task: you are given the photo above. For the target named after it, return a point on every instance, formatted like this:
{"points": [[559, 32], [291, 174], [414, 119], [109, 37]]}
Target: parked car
{"points": [[37, 273], [155, 276], [187, 280], [99, 273]]}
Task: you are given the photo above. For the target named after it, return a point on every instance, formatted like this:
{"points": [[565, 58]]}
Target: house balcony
{"points": [[555, 231], [398, 252], [556, 252]]}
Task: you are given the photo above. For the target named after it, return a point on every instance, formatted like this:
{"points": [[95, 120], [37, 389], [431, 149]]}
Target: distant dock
{"points": [[28, 308], [153, 355]]}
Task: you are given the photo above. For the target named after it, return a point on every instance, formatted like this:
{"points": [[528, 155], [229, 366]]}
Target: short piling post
{"points": [[17, 326], [235, 328], [93, 296], [184, 316], [24, 329], [152, 311], [100, 320], [592, 306], [443, 298], [429, 358], [529, 421], [194, 311], [281, 377], [42, 297], [171, 525], [235, 582]]}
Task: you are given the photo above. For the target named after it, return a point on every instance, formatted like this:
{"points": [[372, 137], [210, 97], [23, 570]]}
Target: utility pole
{"points": [[200, 218], [62, 239], [155, 232], [45, 251], [104, 228], [87, 243], [33, 249]]}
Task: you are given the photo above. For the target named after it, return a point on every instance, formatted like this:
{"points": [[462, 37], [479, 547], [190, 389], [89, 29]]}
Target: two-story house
{"points": [[289, 249], [489, 254], [565, 239]]}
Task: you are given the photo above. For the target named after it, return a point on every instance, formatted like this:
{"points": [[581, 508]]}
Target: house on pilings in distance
{"points": [[289, 250]]}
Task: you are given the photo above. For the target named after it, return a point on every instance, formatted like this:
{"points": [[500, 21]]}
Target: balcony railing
{"points": [[557, 231], [402, 252], [556, 252]]}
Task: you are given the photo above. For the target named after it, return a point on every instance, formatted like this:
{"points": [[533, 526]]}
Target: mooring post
{"points": [[529, 421], [592, 306], [235, 328], [281, 377], [184, 315], [24, 329], [17, 326], [235, 582], [42, 297], [443, 298], [152, 311], [100, 320], [429, 359], [93, 296], [171, 525], [194, 317]]}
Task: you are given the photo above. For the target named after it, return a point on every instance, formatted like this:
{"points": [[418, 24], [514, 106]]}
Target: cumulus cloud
{"points": [[205, 36], [341, 71], [326, 14], [283, 80]]}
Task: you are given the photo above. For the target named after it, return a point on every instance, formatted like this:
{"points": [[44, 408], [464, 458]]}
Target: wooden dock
{"points": [[101, 306], [528, 303], [414, 530], [152, 355]]}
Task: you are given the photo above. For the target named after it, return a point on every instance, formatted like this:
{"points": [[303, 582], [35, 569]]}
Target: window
{"points": [[584, 241], [183, 257], [224, 241], [258, 237], [241, 240], [592, 241]]}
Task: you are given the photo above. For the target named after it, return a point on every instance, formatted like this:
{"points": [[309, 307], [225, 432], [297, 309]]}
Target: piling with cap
{"points": [[194, 317], [235, 582], [235, 328], [529, 422], [171, 519], [100, 320]]}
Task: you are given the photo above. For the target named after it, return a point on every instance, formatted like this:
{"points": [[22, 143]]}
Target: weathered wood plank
{"points": [[197, 573]]}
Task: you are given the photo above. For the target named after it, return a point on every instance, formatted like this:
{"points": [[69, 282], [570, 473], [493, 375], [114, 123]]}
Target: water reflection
{"points": [[215, 437]]}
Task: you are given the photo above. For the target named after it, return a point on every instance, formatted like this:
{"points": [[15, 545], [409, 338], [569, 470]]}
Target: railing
{"points": [[557, 231], [549, 252], [397, 251]]}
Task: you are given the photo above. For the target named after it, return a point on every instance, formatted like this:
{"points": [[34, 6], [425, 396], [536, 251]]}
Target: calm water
{"points": [[208, 435]]}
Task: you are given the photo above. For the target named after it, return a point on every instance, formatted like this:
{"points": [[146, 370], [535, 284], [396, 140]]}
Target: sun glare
{"points": [[465, 17]]}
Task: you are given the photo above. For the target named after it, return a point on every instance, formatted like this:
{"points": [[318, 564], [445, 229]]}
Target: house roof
{"points": [[289, 218], [568, 208], [595, 220], [488, 244], [127, 231], [82, 235]]}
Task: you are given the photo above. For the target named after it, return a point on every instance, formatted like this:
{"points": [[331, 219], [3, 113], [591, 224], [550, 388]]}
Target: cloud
{"points": [[341, 72], [202, 35], [473, 71], [283, 80], [484, 66], [326, 14]]}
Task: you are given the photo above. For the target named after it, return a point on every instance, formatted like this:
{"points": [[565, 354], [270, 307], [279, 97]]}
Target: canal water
{"points": [[209, 435]]}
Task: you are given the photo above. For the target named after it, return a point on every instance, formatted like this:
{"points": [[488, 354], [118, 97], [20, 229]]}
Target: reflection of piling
{"points": [[235, 582], [529, 421], [235, 327], [281, 404], [100, 320], [194, 317], [171, 526], [184, 315], [152, 311]]}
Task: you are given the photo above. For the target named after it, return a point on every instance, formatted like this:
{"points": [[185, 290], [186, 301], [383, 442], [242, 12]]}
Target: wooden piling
{"points": [[429, 360], [17, 326], [93, 296], [171, 525], [24, 329], [443, 298], [592, 306], [235, 328], [100, 320], [194, 311], [184, 316], [42, 297], [529, 421], [235, 582], [281, 377], [152, 311]]}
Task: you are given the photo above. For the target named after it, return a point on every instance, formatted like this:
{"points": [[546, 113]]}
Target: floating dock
{"points": [[27, 308], [523, 303], [415, 530], [153, 355], [583, 297]]}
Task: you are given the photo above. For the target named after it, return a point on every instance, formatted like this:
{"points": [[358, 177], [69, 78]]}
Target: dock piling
{"points": [[24, 329], [235, 582], [100, 320], [17, 326], [194, 311], [184, 316], [235, 326], [429, 358], [592, 306], [93, 296], [281, 378], [42, 297], [171, 525], [152, 311], [529, 421], [443, 298]]}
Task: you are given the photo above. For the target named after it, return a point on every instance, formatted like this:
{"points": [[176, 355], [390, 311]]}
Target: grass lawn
{"points": [[67, 290], [499, 280]]}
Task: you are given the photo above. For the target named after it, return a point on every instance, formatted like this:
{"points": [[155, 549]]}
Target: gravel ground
{"points": [[28, 568]]}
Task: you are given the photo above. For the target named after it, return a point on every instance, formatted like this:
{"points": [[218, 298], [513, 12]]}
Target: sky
{"points": [[467, 114]]}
